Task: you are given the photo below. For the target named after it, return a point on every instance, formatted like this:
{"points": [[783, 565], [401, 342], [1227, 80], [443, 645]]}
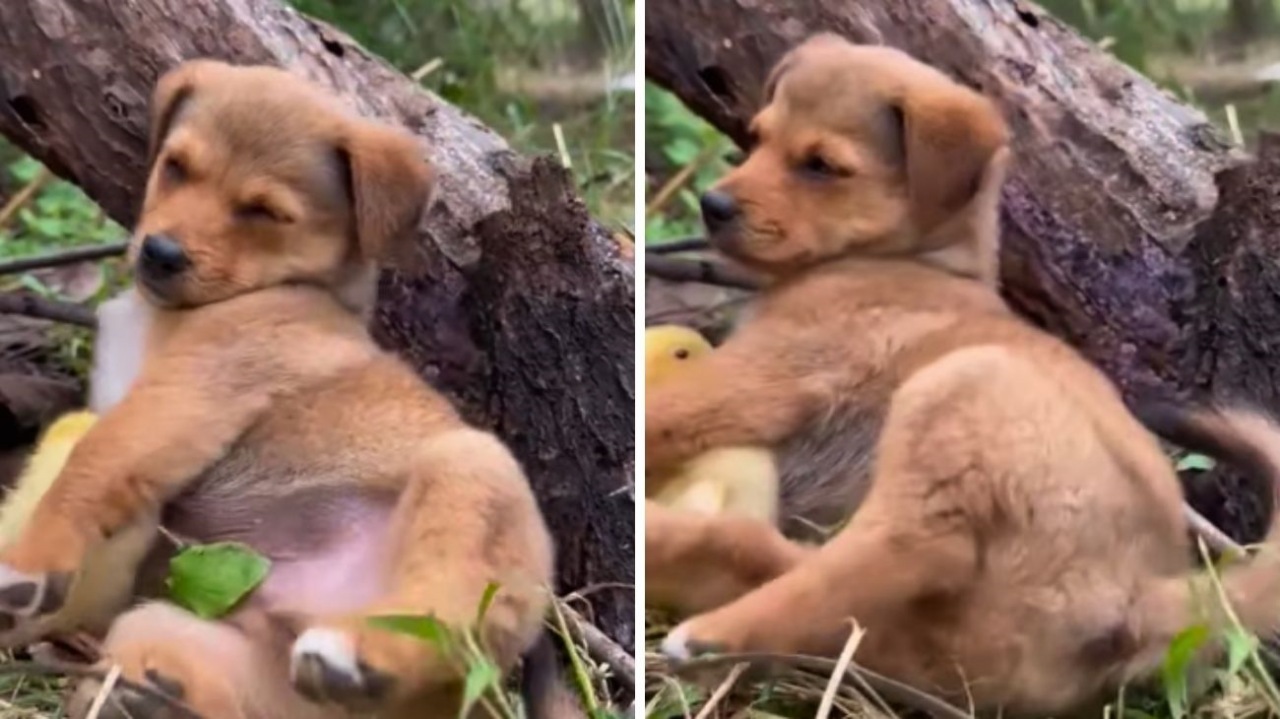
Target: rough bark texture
{"points": [[515, 302], [1130, 226]]}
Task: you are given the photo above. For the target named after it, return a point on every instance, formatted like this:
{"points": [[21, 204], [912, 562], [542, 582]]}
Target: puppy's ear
{"points": [[949, 135], [172, 92], [389, 183]]}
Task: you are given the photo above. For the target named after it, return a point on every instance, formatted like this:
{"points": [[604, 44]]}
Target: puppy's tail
{"points": [[1250, 442], [542, 684]]}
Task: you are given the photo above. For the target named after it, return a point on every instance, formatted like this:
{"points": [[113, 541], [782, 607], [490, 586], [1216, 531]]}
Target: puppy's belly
{"points": [[345, 576], [328, 545], [825, 470]]}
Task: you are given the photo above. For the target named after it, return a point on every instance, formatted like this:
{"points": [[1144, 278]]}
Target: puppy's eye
{"points": [[259, 212], [815, 166], [174, 171]]}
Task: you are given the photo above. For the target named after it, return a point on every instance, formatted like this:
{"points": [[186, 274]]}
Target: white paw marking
{"points": [[11, 577], [676, 644], [331, 646]]}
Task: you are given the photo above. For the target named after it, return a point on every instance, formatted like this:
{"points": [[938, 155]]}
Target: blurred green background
{"points": [[1220, 55]]}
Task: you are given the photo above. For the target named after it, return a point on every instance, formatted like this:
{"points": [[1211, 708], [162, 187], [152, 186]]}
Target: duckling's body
{"points": [[725, 480], [105, 584]]}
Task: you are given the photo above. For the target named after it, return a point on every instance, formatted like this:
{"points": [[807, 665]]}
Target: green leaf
{"points": [[1198, 462], [1240, 646], [481, 675], [210, 579], [423, 627], [682, 150], [486, 601], [1176, 663]]}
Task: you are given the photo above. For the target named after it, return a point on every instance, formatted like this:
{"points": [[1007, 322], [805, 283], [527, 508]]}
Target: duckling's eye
{"points": [[735, 157], [682, 353]]}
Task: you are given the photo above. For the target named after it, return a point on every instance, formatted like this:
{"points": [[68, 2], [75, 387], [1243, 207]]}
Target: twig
{"points": [[24, 196], [32, 306], [67, 257], [842, 666], [721, 691], [431, 66], [60, 669], [1217, 540], [891, 689], [678, 180], [108, 686], [580, 672], [704, 271], [599, 646], [684, 244]]}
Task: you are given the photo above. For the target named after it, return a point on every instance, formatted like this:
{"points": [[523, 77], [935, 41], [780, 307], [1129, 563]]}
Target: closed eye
{"points": [[260, 212], [816, 166]]}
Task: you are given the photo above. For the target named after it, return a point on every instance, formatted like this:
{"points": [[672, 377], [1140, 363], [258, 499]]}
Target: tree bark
{"points": [[515, 302], [1131, 227]]}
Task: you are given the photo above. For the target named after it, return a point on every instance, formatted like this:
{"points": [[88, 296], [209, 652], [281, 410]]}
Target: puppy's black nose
{"points": [[162, 256], [718, 209]]}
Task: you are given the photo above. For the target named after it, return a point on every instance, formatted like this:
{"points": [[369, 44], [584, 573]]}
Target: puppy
{"points": [[1019, 539], [262, 412]]}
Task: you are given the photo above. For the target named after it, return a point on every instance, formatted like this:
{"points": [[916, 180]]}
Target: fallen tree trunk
{"points": [[1130, 226], [515, 302]]}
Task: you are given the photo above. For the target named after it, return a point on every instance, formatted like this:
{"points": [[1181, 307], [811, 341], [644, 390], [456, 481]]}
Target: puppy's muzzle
{"points": [[161, 259], [718, 210]]}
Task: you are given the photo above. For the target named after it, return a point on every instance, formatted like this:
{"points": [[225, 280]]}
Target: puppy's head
{"points": [[859, 150], [258, 178]]}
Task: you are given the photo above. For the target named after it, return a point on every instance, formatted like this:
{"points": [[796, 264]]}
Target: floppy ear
{"points": [[390, 184], [171, 94], [949, 135]]}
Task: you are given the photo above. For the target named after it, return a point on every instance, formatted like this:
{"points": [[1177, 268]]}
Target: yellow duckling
{"points": [[105, 584], [725, 480]]}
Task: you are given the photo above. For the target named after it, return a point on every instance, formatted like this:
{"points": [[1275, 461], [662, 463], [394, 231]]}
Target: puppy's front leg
{"points": [[160, 436], [696, 562], [745, 393]]}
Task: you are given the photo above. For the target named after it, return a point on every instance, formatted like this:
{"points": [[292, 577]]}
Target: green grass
{"points": [[524, 67]]}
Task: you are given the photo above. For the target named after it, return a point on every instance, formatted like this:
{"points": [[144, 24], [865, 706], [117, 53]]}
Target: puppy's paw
{"points": [[25, 599], [690, 640], [326, 668]]}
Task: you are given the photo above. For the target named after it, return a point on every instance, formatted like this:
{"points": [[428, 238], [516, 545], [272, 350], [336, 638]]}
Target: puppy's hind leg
{"points": [[868, 574], [214, 669], [466, 519]]}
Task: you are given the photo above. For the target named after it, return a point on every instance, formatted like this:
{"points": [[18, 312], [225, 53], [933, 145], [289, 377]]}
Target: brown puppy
{"points": [[264, 413], [1019, 537]]}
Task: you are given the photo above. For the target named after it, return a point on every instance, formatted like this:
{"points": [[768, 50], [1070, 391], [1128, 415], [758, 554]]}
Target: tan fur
{"points": [[1019, 539], [263, 412]]}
